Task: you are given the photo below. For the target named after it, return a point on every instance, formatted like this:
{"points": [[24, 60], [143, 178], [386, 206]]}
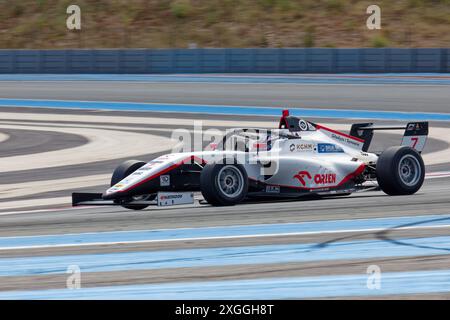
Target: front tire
{"points": [[224, 184], [400, 171], [123, 171]]}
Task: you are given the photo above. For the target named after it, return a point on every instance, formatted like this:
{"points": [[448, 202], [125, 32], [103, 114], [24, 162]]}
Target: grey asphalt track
{"points": [[390, 97], [432, 199]]}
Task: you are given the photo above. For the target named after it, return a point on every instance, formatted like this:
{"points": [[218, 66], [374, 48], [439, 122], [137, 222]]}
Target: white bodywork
{"points": [[318, 159]]}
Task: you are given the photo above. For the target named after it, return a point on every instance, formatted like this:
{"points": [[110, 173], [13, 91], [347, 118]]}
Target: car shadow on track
{"points": [[384, 235], [267, 199]]}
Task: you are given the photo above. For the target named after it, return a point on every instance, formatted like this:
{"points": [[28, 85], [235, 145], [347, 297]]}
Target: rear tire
{"points": [[123, 171], [400, 171], [224, 184]]}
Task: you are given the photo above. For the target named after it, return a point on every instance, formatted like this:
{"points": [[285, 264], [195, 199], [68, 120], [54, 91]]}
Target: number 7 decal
{"points": [[415, 141]]}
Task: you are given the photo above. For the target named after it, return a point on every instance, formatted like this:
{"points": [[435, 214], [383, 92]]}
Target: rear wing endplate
{"points": [[415, 136]]}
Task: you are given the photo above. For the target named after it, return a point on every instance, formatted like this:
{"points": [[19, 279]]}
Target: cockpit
{"points": [[247, 140], [255, 140]]}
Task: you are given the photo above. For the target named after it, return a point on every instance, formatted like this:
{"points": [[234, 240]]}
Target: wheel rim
{"points": [[230, 181], [409, 170]]}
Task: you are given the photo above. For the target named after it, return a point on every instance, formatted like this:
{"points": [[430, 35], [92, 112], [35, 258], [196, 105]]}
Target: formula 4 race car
{"points": [[297, 159]]}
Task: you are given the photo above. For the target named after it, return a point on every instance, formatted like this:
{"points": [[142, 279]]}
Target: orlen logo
{"points": [[328, 178], [301, 175], [319, 179]]}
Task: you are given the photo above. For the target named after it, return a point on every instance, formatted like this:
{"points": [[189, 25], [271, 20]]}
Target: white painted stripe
{"points": [[442, 156], [39, 125], [48, 210], [438, 173], [32, 203], [442, 174], [248, 236], [143, 120], [103, 145], [3, 137], [36, 187], [438, 157], [437, 177]]}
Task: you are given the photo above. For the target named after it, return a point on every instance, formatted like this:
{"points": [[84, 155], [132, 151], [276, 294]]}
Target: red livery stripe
{"points": [[172, 167], [320, 127], [352, 175]]}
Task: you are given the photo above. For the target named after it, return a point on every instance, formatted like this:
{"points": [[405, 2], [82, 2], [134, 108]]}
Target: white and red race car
{"points": [[297, 159]]}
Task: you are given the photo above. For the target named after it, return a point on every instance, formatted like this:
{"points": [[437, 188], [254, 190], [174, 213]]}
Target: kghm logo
{"points": [[302, 147]]}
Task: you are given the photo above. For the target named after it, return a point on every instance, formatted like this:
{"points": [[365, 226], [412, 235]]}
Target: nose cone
{"points": [[111, 193]]}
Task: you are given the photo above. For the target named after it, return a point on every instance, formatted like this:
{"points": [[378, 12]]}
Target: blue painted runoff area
{"points": [[226, 110], [392, 283], [227, 256], [225, 231], [410, 78]]}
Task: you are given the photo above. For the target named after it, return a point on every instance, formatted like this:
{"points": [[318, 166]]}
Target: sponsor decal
{"points": [[322, 190], [419, 128], [301, 177], [164, 181], [164, 158], [172, 196], [272, 189], [213, 146], [345, 140], [302, 147], [319, 179], [303, 125], [329, 148], [340, 138], [329, 178], [364, 154]]}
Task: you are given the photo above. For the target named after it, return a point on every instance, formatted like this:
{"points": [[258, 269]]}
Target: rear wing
{"points": [[415, 136]]}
